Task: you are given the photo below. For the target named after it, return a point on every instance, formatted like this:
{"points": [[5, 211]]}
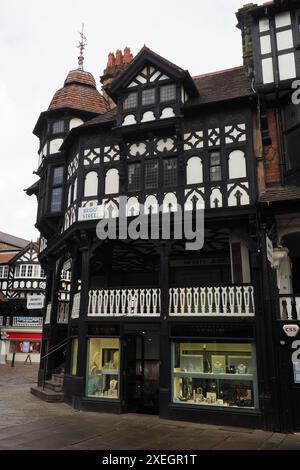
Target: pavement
{"points": [[26, 423]]}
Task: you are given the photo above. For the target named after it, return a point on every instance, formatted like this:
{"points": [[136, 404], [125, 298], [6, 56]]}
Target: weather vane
{"points": [[81, 46]]}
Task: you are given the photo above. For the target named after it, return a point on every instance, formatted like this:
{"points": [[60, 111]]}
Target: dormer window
{"points": [[58, 127], [148, 96], [131, 101], [167, 93]]}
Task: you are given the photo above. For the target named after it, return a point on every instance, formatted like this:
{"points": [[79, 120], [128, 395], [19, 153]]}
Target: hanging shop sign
{"points": [[67, 265], [291, 330], [35, 301]]}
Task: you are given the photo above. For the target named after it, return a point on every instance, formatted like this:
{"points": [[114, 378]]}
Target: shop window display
{"points": [[74, 356], [28, 347], [215, 374], [103, 368]]}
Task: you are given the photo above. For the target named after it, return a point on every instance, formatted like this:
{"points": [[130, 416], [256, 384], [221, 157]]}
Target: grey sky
{"points": [[37, 49]]}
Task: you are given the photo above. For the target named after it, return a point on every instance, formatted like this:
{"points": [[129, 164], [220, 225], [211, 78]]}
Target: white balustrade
{"points": [[63, 312], [76, 305], [289, 307], [212, 301], [124, 302]]}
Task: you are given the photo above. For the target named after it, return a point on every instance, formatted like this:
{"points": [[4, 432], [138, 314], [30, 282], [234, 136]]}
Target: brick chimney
{"points": [[116, 63]]}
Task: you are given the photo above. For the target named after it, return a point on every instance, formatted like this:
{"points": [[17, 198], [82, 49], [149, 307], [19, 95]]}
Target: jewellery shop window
{"points": [[215, 374], [103, 368]]}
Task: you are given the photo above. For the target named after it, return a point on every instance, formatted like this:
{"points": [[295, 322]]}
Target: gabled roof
{"points": [[12, 240], [6, 257], [29, 247], [144, 57]]}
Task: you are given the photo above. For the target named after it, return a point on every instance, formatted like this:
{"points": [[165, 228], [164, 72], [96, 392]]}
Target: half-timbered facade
{"points": [[152, 326]]}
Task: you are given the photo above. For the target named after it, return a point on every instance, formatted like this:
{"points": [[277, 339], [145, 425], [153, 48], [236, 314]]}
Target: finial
{"points": [[81, 46]]}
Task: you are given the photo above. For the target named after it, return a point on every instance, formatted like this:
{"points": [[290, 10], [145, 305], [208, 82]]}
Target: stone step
{"points": [[58, 378], [51, 385], [49, 396]]}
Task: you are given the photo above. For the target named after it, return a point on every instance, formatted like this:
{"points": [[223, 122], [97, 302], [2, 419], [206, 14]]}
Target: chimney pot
{"points": [[127, 58], [119, 57]]}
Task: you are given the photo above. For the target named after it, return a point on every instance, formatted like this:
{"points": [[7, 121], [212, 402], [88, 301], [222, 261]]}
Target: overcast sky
{"points": [[38, 47]]}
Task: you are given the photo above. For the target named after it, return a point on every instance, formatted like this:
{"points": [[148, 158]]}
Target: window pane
{"points": [[170, 172], [215, 374], [23, 270], [215, 173], [151, 174], [148, 96], [215, 158], [131, 101], [56, 200], [58, 175], [58, 126], [74, 356], [168, 93], [29, 271], [134, 176], [103, 368]]}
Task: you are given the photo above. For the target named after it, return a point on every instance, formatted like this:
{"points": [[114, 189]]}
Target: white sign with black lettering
{"points": [[35, 301]]}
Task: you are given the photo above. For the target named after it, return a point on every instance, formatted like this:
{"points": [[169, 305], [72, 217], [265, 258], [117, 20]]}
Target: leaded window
{"points": [[56, 200], [131, 101], [58, 175], [170, 172], [3, 271], [167, 93], [58, 127], [215, 166], [151, 174], [134, 176], [148, 96]]}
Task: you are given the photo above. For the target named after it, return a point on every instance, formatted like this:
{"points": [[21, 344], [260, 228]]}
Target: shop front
{"points": [[211, 374], [23, 345]]}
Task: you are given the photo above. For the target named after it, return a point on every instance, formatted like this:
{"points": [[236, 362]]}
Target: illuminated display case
{"points": [[103, 368], [215, 374]]}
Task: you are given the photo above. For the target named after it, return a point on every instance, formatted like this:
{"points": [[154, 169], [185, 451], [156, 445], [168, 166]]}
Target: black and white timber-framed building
{"points": [[151, 326]]}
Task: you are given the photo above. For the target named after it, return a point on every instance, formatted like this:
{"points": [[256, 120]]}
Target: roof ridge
{"points": [[219, 72]]}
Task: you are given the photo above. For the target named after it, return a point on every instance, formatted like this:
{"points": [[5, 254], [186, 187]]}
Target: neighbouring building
{"points": [[22, 287], [150, 326]]}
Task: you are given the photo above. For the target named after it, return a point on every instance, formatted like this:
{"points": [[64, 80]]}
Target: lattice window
{"points": [[130, 101], [151, 174], [148, 96], [167, 93], [215, 166], [170, 172], [134, 176]]}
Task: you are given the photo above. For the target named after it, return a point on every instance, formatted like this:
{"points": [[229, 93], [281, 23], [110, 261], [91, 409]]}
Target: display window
{"points": [[215, 374], [74, 356], [103, 368], [28, 347]]}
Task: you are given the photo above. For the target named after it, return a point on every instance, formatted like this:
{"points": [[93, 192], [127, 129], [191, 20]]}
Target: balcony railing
{"points": [[124, 302], [208, 301], [63, 312], [289, 307], [186, 301]]}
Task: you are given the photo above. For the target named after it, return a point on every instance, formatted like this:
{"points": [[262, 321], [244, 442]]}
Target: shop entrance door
{"points": [[141, 373]]}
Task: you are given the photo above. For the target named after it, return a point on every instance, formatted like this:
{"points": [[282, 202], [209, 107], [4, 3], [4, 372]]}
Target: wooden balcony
{"points": [[289, 307], [228, 301]]}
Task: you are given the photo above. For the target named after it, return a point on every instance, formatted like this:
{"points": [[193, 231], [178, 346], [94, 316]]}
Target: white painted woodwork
{"points": [[230, 301], [285, 40], [91, 184], [148, 116], [287, 304], [267, 70], [264, 25], [76, 305], [265, 44], [194, 171], [75, 122], [129, 120], [112, 181], [132, 207], [287, 66], [170, 203], [48, 314], [124, 302], [232, 199], [151, 201], [55, 145], [167, 113], [237, 165], [216, 198], [283, 19], [165, 145]]}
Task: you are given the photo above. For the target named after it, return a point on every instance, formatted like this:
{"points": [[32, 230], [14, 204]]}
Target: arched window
{"points": [[112, 181], [75, 122], [194, 171], [91, 184], [237, 165]]}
